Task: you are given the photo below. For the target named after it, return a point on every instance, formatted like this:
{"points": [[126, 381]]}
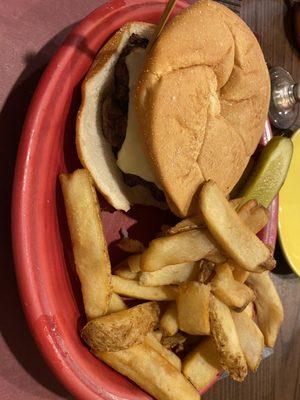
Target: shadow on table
{"points": [[12, 322]]}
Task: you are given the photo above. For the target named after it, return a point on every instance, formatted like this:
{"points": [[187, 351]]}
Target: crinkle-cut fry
{"points": [[169, 321], [88, 241], [170, 275], [121, 329], [151, 340], [223, 330], [250, 337], [151, 371], [131, 288], [202, 364], [231, 233], [269, 310]]}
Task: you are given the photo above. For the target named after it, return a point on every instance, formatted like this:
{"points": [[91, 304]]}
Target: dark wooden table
{"points": [[30, 32]]}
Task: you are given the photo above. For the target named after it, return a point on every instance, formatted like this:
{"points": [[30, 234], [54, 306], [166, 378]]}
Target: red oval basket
{"points": [[48, 285]]}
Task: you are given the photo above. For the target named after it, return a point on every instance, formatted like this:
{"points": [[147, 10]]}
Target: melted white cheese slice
{"points": [[131, 157]]}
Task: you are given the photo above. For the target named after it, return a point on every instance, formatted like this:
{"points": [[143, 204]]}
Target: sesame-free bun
{"points": [[94, 151], [202, 101]]}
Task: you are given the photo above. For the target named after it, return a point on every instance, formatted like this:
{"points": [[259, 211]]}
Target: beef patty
{"points": [[114, 112]]}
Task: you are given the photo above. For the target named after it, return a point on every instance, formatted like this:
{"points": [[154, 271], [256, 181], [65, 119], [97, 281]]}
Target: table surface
{"points": [[30, 32]]}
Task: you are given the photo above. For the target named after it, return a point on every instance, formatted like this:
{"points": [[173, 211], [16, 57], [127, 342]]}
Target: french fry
{"points": [[269, 309], [131, 288], [195, 221], [184, 225], [250, 337], [151, 371], [134, 262], [234, 294], [116, 304], [232, 234], [170, 275], [169, 321], [240, 275], [88, 241], [193, 308], [122, 329], [202, 364], [223, 330], [183, 247], [131, 245], [194, 245], [158, 335], [249, 310], [167, 354], [124, 271], [255, 214]]}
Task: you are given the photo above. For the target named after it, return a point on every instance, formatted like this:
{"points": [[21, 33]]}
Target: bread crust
{"points": [[202, 102]]}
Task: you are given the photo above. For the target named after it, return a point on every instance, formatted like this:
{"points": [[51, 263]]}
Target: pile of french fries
{"points": [[207, 302]]}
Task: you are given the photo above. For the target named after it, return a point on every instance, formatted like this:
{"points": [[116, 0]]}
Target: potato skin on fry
{"points": [[227, 342], [268, 305], [121, 329], [232, 233], [151, 371], [88, 241], [250, 337]]}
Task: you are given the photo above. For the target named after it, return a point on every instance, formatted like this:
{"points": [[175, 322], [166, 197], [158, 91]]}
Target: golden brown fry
{"points": [[249, 310], [193, 245], [88, 241], [131, 245], [130, 288], [121, 329], [269, 309], [223, 330], [158, 335], [176, 249], [193, 308], [184, 225], [167, 354], [170, 275], [258, 219], [169, 321], [124, 271], [151, 371], [240, 275], [232, 234], [134, 262], [202, 364], [116, 304], [234, 294], [250, 337]]}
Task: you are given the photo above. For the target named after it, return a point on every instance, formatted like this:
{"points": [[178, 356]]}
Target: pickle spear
{"points": [[269, 172]]}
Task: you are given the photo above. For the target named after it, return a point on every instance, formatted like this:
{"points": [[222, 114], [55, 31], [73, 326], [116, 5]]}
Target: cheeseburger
{"points": [[155, 124]]}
